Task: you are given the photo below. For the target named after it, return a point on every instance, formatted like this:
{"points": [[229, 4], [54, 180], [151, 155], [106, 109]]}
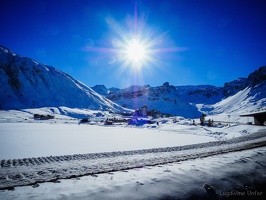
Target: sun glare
{"points": [[134, 45], [135, 51]]}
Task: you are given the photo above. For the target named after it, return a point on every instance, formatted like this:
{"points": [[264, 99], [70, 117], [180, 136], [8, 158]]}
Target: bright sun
{"points": [[135, 47], [136, 51]]}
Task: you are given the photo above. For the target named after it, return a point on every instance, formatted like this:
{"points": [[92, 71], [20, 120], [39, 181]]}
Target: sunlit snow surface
{"points": [[26, 140], [23, 137]]}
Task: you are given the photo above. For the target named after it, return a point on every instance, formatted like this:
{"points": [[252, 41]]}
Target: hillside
{"points": [[25, 83]]}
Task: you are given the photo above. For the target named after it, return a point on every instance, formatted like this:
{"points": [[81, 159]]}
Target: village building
{"points": [[143, 111], [259, 117]]}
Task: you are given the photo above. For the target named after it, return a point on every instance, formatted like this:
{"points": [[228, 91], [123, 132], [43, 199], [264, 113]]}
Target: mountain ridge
{"points": [[206, 98]]}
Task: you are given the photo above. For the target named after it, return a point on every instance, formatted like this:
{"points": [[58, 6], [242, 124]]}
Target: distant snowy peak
{"points": [[25, 83], [258, 76], [256, 79], [101, 89]]}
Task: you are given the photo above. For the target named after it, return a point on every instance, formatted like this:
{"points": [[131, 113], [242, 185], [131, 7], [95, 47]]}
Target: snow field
{"points": [[174, 159], [25, 140], [22, 136]]}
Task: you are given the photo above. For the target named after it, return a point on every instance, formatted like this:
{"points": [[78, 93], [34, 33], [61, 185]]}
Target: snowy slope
{"points": [[200, 93], [233, 103], [25, 83], [245, 101]]}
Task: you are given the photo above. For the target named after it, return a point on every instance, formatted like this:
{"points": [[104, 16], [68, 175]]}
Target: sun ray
{"points": [[137, 49]]}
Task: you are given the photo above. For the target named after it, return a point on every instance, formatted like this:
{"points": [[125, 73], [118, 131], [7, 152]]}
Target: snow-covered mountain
{"points": [[242, 95], [25, 83]]}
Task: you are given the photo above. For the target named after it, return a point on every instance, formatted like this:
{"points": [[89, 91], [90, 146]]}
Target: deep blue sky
{"points": [[196, 41]]}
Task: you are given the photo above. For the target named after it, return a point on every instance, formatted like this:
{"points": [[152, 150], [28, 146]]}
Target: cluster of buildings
{"points": [[144, 112]]}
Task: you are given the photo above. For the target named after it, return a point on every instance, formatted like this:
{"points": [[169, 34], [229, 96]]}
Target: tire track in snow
{"points": [[30, 171]]}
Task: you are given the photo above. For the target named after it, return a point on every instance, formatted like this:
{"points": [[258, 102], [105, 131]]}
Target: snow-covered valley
{"points": [[53, 128], [23, 136]]}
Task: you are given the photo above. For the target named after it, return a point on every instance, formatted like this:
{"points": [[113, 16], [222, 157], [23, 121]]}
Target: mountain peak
{"points": [[166, 84], [101, 89], [257, 76]]}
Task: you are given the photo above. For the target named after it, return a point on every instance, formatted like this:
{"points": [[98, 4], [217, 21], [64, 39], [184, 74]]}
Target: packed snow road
{"points": [[31, 171]]}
